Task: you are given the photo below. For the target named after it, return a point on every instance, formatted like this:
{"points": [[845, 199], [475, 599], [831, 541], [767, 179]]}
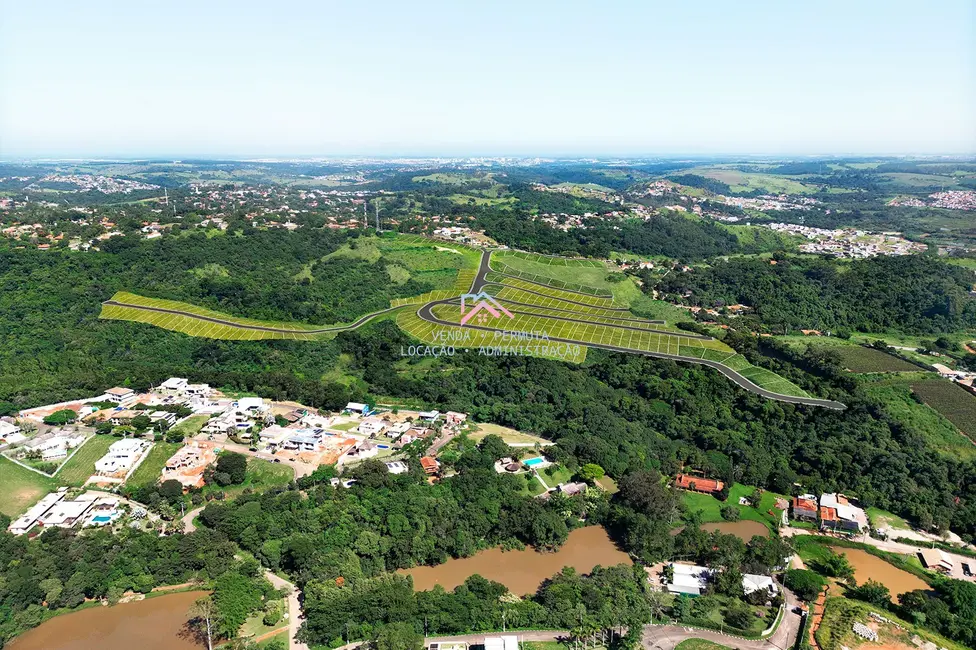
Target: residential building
{"points": [[452, 418], [698, 484], [173, 386], [805, 507], [275, 435], [8, 430], [429, 416], [65, 514], [162, 416], [188, 464], [936, 560], [121, 457], [397, 467], [365, 449], [24, 523], [752, 583], [689, 579], [507, 642], [52, 445], [397, 429], [304, 441], [429, 465], [569, 489], [357, 407], [104, 511], [371, 427], [118, 395], [837, 514], [198, 390]]}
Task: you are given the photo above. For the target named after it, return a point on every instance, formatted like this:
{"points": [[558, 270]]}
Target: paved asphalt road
{"points": [[426, 314]]}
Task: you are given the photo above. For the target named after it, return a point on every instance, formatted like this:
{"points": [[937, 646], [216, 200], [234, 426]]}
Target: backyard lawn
{"points": [[149, 471], [261, 475], [510, 436], [21, 487], [711, 507], [77, 469]]}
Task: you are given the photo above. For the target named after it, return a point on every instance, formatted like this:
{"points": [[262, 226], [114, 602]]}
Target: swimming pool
{"points": [[532, 462], [101, 519]]}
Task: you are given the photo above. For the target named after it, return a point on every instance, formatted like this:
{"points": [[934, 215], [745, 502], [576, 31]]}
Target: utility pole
{"points": [[377, 205], [365, 216]]}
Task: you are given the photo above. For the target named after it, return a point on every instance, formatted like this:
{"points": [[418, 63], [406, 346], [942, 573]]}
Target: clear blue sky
{"points": [[453, 77]]}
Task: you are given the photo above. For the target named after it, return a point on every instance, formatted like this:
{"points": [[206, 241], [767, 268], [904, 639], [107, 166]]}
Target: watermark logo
{"points": [[479, 306]]}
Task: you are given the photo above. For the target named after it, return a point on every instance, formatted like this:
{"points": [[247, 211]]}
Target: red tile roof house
{"points": [[805, 508], [429, 464], [698, 484]]}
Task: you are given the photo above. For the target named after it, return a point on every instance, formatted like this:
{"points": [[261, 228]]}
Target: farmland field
{"points": [[857, 358], [81, 465], [957, 405], [21, 487], [895, 391]]}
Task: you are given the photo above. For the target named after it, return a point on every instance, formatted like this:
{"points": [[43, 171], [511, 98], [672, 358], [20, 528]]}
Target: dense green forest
{"points": [[621, 412], [914, 294], [626, 413]]}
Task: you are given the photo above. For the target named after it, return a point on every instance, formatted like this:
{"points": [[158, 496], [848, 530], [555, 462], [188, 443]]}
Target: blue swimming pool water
{"points": [[101, 518], [532, 462]]}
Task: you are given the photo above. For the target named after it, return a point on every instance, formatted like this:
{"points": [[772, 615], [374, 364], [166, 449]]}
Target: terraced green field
{"points": [[560, 307]]}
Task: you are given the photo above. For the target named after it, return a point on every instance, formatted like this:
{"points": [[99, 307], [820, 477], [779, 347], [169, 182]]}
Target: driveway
{"points": [[295, 616]]}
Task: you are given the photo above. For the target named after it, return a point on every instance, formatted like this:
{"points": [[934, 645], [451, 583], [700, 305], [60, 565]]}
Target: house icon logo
{"points": [[479, 306]]}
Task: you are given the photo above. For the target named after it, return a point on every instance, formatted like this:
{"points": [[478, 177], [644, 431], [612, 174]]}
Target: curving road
{"points": [[260, 328], [425, 313]]}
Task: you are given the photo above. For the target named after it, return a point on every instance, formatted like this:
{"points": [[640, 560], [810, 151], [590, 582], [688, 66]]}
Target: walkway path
{"points": [[295, 616], [188, 525]]}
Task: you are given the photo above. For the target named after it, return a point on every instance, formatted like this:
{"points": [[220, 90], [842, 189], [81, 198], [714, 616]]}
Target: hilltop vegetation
{"points": [[912, 294]]}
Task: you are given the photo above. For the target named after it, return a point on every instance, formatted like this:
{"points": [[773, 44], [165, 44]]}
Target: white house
{"points": [[397, 467], [118, 395], [163, 416], [371, 427], [198, 390], [121, 456], [689, 579], [357, 407], [398, 429], [752, 583], [28, 520], [365, 449], [7, 430], [173, 386], [65, 514], [304, 441], [429, 416], [275, 435]]}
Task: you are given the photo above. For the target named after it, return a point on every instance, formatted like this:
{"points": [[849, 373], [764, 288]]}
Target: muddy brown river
{"points": [[152, 624], [744, 529], [867, 566], [523, 571]]}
